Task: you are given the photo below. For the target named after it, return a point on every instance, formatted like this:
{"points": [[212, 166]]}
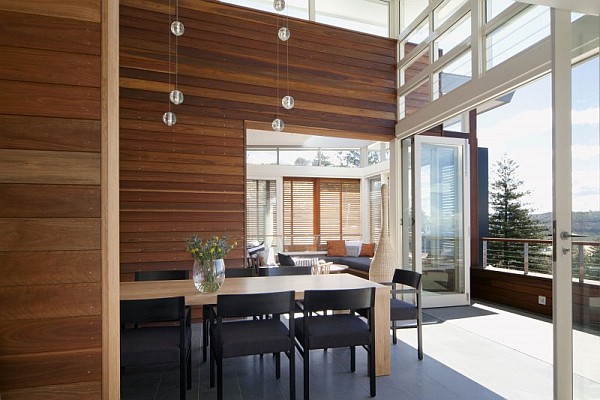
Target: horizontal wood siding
{"points": [[191, 177], [50, 211], [522, 291]]}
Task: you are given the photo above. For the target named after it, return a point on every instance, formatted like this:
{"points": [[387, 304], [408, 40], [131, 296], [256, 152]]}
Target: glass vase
{"points": [[208, 275]]}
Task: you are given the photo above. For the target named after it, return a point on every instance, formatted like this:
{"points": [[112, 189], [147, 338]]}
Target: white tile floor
{"points": [[506, 352]]}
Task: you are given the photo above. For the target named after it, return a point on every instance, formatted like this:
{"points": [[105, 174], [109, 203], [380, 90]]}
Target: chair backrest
{"points": [[152, 310], [239, 272], [406, 277], [170, 275], [246, 305], [339, 299], [278, 271]]}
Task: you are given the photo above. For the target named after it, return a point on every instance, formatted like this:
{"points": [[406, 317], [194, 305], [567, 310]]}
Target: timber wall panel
{"points": [[190, 178], [50, 200]]}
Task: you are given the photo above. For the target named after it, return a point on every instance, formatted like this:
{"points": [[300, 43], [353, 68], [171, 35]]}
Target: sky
{"points": [[523, 130]]}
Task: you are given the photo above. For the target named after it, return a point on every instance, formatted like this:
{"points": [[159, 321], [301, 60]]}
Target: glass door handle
{"points": [[564, 235]]}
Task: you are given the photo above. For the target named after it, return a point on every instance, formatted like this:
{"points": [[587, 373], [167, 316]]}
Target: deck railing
{"points": [[535, 255]]}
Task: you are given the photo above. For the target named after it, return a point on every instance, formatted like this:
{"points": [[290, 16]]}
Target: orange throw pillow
{"points": [[336, 248], [367, 250]]}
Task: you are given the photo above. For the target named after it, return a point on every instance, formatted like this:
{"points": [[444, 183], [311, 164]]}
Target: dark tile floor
{"points": [[253, 377]]}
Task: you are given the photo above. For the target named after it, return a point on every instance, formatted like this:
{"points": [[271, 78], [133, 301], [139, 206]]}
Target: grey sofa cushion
{"points": [[360, 263]]}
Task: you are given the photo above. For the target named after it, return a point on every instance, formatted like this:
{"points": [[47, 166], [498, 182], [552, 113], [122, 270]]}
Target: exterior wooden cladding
{"points": [[522, 291], [50, 259], [191, 177]]}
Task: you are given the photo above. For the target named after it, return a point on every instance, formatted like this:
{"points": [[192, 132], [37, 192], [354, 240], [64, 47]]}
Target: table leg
{"points": [[382, 331]]}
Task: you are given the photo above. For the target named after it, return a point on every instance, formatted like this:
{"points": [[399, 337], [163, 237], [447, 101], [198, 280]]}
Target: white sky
{"points": [[523, 130]]}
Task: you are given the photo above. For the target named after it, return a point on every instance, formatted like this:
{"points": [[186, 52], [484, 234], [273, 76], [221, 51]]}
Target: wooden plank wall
{"points": [[50, 211], [191, 177]]}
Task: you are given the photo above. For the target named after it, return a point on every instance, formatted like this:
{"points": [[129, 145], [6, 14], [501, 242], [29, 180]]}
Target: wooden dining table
{"points": [[266, 284]]}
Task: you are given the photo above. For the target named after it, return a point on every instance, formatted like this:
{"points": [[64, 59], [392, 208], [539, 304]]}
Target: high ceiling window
{"points": [[368, 16]]}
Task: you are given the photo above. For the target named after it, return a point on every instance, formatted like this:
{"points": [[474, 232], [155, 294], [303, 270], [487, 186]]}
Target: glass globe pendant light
{"points": [[284, 33], [169, 118], [177, 28], [278, 125], [279, 5], [176, 97], [287, 102]]}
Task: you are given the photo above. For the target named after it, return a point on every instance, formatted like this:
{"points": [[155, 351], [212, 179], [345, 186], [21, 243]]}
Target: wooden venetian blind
{"points": [[375, 209], [298, 212], [327, 209]]}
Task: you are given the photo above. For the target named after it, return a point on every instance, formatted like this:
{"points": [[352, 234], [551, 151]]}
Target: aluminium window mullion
{"points": [[504, 17]]}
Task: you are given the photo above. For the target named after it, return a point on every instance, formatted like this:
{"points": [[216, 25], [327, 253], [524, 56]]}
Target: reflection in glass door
{"points": [[436, 181]]}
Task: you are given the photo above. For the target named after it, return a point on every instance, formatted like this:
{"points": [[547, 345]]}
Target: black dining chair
{"points": [[167, 275], [158, 344], [229, 273], [318, 329], [280, 271], [234, 334], [401, 310]]}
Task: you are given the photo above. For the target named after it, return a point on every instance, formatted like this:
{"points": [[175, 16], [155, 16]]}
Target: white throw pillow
{"points": [[353, 248]]}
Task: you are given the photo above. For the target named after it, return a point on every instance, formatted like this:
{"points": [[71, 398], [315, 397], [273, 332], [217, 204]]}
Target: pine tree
{"points": [[512, 219]]}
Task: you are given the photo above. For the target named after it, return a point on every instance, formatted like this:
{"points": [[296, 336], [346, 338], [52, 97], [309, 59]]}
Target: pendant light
{"points": [[283, 35], [175, 96]]}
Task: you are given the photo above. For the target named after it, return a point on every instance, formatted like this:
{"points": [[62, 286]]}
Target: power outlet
{"points": [[542, 300]]}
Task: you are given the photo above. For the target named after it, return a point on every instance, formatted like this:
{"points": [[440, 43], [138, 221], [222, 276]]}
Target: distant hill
{"points": [[584, 223]]}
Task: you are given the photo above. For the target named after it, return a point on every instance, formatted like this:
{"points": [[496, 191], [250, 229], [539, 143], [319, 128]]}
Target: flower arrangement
{"points": [[209, 268], [213, 248]]}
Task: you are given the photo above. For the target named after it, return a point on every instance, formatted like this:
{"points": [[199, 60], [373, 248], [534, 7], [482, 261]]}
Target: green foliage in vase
{"points": [[213, 248]]}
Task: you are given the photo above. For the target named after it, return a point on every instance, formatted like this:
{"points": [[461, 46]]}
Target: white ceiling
{"points": [[261, 138]]}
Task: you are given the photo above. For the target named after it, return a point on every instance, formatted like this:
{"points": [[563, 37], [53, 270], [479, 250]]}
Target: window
{"points": [[495, 7], [294, 8], [368, 16], [261, 210], [298, 214], [375, 208], [360, 15], [319, 209], [262, 157], [526, 29]]}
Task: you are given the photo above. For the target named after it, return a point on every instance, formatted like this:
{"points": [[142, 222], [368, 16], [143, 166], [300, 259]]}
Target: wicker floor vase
{"points": [[384, 262]]}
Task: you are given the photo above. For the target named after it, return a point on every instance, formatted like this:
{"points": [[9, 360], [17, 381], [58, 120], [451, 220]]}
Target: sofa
{"points": [[354, 254], [356, 265]]}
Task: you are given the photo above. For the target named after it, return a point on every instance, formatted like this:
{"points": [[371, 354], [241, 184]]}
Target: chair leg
{"points": [[212, 369], [394, 338], [420, 339], [292, 358], [220, 378], [189, 371], [306, 372], [353, 358], [182, 381], [372, 374], [277, 365], [205, 328]]}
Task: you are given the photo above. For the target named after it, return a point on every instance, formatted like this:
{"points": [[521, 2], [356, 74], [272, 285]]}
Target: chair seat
{"points": [[400, 310], [253, 337], [162, 341], [330, 331]]}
